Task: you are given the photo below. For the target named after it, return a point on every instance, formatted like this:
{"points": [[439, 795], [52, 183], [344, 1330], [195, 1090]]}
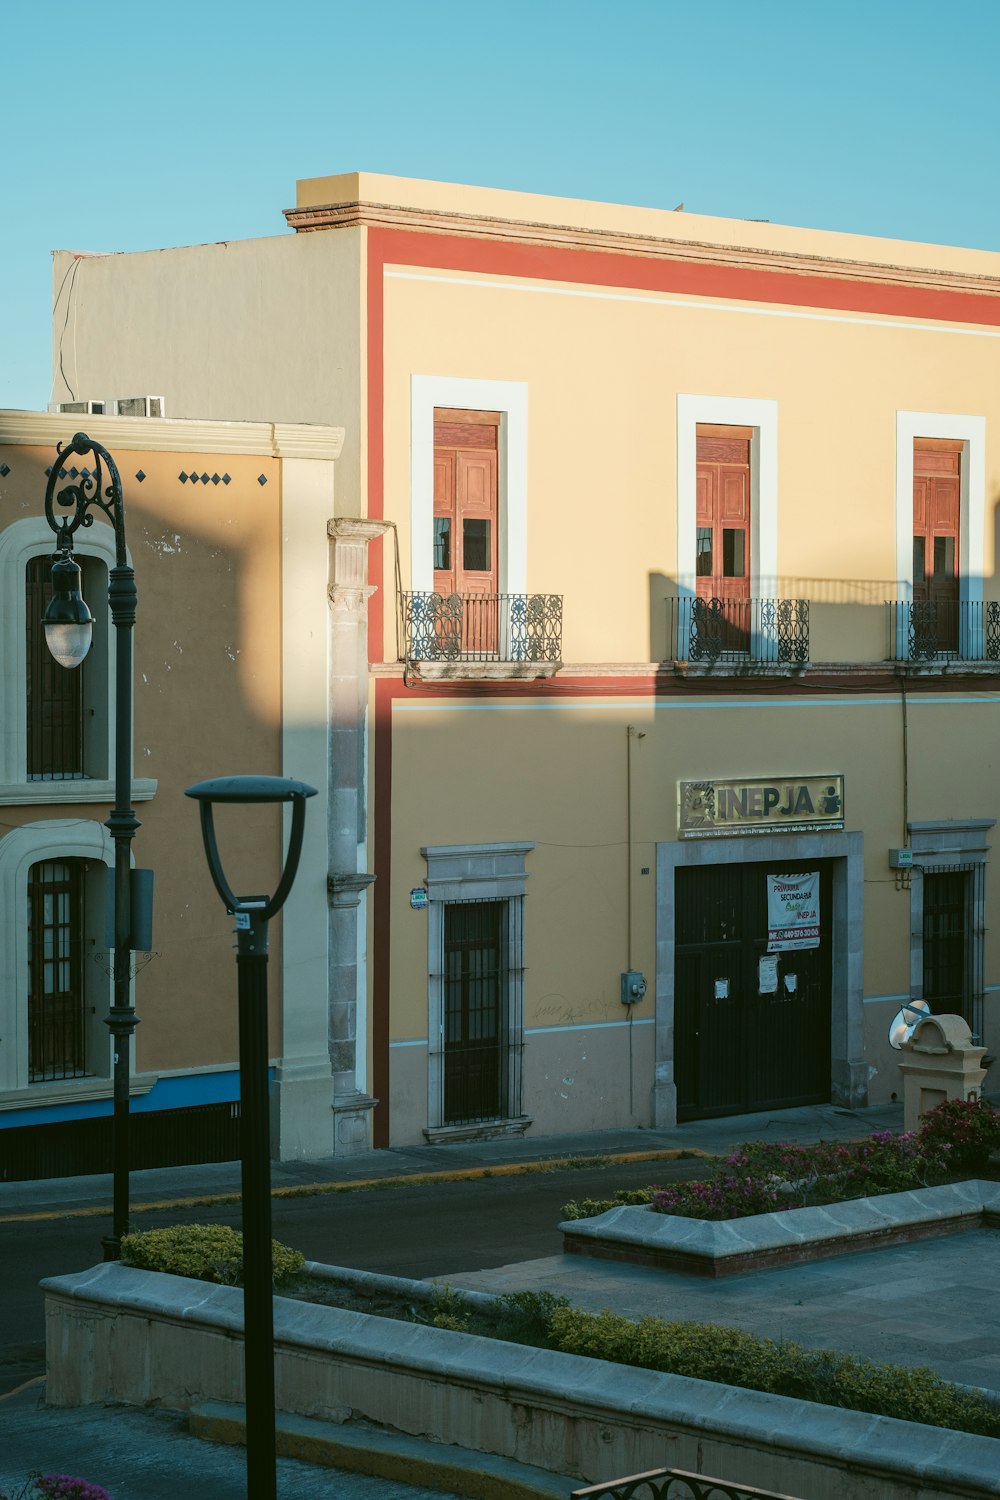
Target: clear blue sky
{"points": [[137, 126]]}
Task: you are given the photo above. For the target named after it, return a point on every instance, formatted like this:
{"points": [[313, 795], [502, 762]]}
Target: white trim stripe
{"points": [[630, 705], [706, 305], [589, 1026]]}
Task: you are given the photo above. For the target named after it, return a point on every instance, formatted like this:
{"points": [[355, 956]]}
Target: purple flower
{"points": [[67, 1487]]}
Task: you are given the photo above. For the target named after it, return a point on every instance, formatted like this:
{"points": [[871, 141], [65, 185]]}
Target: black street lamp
{"points": [[252, 915], [69, 628]]}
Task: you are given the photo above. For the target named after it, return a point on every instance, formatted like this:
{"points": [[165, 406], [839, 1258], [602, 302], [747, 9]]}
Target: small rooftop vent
{"points": [[138, 406], [88, 408]]}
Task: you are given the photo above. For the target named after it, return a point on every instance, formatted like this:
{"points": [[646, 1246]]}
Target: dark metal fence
{"points": [[747, 631], [481, 627], [674, 1484], [160, 1138], [944, 629]]}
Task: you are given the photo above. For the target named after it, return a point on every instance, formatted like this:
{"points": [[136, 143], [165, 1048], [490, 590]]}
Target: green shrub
{"points": [[450, 1310], [526, 1318], [206, 1252], [589, 1208], [731, 1357]]}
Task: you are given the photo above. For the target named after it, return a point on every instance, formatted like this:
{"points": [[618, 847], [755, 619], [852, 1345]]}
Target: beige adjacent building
{"points": [[233, 641], [663, 644]]}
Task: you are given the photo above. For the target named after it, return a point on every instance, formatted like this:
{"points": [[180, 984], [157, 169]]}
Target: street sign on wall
{"points": [[724, 809]]}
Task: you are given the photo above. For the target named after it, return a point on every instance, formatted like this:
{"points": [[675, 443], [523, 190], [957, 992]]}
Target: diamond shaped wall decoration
{"points": [[4, 470], [261, 479], [139, 475]]}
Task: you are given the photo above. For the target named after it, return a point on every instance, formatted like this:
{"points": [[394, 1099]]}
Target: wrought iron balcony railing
{"points": [[673, 1484], [481, 627], [760, 632], [944, 630]]}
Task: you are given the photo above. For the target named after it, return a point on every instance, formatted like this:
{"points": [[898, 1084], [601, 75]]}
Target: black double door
{"points": [[751, 1029]]}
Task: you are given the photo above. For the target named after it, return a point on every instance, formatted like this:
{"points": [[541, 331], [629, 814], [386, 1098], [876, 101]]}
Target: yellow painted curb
{"points": [[367, 1184], [24, 1386]]}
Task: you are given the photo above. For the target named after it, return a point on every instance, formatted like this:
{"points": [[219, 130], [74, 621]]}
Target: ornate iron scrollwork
{"points": [[923, 638], [709, 626], [749, 630], [433, 626], [482, 627], [673, 1484], [535, 627], [86, 490], [791, 629]]}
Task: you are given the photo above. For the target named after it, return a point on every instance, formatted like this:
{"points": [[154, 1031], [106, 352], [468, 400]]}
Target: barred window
{"points": [[953, 941], [56, 1013]]}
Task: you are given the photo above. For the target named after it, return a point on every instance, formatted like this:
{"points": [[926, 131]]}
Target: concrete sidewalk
{"points": [[143, 1455]]}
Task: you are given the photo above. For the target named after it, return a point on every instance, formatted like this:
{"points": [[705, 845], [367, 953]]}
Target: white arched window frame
{"points": [[31, 844], [19, 543]]}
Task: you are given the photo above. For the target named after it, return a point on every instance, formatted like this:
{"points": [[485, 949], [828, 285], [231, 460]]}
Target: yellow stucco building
{"points": [[658, 673]]}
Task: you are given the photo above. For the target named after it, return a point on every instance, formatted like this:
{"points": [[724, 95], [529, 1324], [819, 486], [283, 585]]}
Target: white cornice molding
{"points": [[171, 435], [296, 440]]}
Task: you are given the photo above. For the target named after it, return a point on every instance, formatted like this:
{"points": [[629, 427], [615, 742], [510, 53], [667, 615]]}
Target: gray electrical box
{"points": [[633, 987], [141, 901], [900, 859]]}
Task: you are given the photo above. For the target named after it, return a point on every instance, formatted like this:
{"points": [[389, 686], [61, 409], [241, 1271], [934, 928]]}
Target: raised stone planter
{"points": [[118, 1334], [722, 1247]]}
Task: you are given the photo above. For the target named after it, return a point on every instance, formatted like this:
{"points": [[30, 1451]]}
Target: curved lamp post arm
{"points": [[87, 489], [244, 790]]}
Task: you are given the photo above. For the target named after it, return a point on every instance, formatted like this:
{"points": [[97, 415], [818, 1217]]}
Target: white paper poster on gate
{"points": [[792, 912]]}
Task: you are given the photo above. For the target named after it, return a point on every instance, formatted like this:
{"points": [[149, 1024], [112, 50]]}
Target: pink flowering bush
{"points": [[762, 1176], [58, 1487], [960, 1134]]}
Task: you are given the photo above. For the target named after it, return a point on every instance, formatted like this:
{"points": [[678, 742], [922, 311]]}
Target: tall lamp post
{"points": [[252, 914], [68, 626]]}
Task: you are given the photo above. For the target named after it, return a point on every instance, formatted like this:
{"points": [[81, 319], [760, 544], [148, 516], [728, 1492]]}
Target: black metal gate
{"points": [[751, 1030]]}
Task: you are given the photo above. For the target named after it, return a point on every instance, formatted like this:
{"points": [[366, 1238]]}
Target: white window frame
{"points": [[510, 399], [19, 543], [470, 872], [971, 432], [730, 411], [27, 845]]}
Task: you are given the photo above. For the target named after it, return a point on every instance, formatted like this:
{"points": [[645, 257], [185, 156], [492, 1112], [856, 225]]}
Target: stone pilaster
{"points": [[347, 1014]]}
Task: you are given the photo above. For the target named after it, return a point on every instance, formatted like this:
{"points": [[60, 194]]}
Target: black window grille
{"points": [[56, 1012], [953, 918], [55, 750], [481, 985]]}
